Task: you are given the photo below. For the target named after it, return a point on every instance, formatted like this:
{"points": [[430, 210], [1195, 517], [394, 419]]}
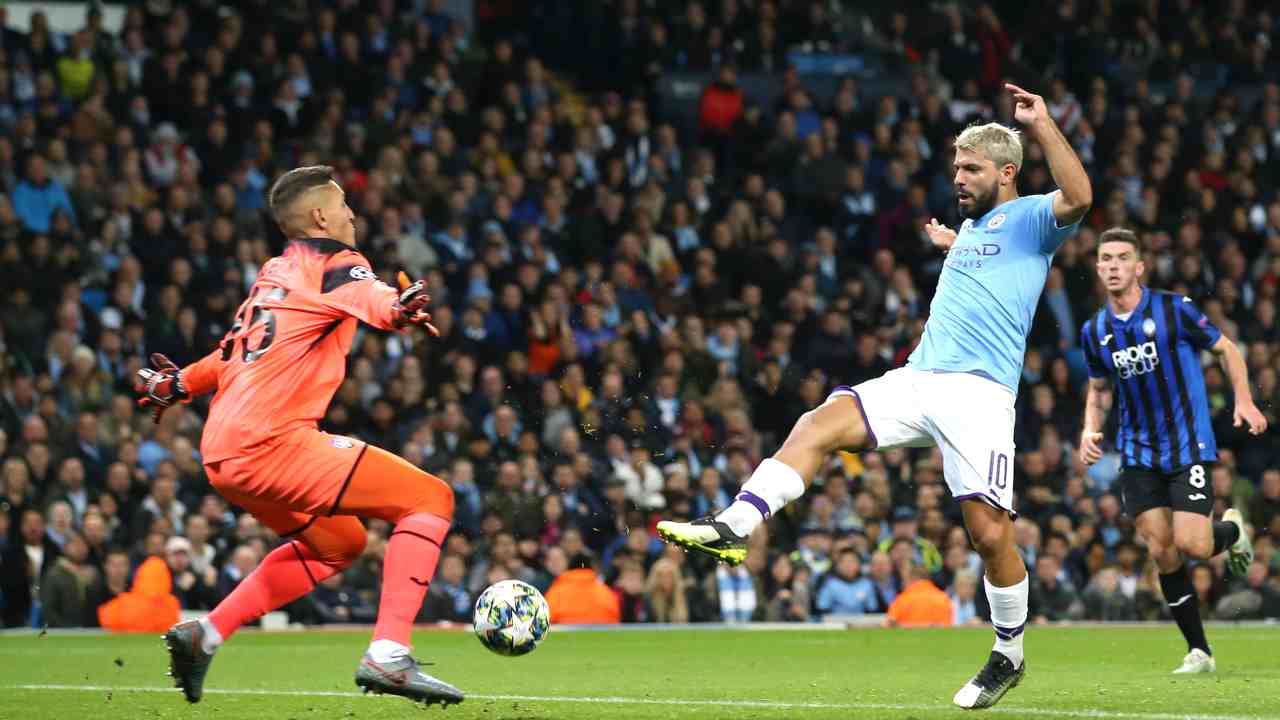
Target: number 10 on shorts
{"points": [[998, 470]]}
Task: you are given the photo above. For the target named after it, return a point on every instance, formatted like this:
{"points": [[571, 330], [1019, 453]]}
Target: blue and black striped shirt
{"points": [[1153, 359]]}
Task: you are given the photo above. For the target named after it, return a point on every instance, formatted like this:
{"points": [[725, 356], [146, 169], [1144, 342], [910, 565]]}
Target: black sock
{"points": [[1185, 606], [1225, 534]]}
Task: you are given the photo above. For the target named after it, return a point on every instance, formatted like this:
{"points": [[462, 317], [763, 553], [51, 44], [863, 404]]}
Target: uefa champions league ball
{"points": [[511, 618]]}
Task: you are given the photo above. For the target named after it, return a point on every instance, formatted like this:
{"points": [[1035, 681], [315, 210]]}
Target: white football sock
{"points": [[212, 639], [773, 484], [384, 651], [1009, 616]]}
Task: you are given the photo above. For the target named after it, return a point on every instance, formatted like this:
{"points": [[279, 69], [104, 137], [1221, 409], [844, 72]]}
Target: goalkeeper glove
{"points": [[410, 303], [161, 387]]}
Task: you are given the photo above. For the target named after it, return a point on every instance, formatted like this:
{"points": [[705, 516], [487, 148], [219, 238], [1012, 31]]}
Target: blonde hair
{"points": [[999, 144], [667, 608]]}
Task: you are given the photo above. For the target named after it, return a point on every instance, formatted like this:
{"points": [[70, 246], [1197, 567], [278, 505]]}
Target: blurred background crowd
{"points": [[639, 290]]}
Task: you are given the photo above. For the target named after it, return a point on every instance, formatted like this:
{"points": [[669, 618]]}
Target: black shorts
{"points": [[1189, 489]]}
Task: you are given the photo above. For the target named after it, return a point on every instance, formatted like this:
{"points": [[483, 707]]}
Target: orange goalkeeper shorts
{"points": [[308, 473]]}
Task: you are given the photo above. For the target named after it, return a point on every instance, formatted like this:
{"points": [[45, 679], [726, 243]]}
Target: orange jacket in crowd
{"points": [[578, 597], [148, 606], [921, 603]]}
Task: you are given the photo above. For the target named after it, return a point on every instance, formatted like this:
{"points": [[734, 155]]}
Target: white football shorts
{"points": [[968, 416]]}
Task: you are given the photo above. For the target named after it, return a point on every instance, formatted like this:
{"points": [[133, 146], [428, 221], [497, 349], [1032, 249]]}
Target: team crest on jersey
{"points": [[360, 272], [343, 443], [996, 221], [1149, 327]]}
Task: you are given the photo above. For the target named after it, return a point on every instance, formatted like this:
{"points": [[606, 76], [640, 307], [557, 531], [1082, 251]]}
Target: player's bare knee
{"points": [[1195, 545], [1168, 559], [803, 434], [1156, 548], [990, 540]]}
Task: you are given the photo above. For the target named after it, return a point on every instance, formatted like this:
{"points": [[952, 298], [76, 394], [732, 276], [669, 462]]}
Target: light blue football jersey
{"points": [[988, 291]]}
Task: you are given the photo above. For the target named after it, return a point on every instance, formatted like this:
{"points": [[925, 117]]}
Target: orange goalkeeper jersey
{"points": [[284, 357]]}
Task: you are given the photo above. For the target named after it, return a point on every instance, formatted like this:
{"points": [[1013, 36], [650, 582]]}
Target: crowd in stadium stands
{"points": [[633, 312]]}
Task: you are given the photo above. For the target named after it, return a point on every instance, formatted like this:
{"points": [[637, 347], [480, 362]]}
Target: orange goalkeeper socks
{"points": [[412, 553]]}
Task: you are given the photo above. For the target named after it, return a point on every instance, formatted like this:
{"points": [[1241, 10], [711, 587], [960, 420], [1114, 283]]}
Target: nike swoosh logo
{"points": [[1180, 600], [395, 677], [423, 583]]}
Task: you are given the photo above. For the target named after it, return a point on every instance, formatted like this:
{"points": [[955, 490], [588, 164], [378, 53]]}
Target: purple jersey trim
{"points": [[847, 390], [987, 498]]}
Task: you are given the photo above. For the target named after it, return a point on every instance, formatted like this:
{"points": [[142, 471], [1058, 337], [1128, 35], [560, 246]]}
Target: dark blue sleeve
{"points": [[1195, 325], [1092, 358]]}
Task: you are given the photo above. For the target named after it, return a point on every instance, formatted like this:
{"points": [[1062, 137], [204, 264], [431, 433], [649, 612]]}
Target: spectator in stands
{"points": [[884, 580], [720, 107], [1265, 506], [579, 597], [665, 593], [334, 601], [736, 591], [1104, 600], [448, 599], [242, 561], [194, 588], [64, 588], [844, 591], [38, 197], [148, 605], [1206, 587], [1271, 595], [112, 581], [629, 588], [1053, 597], [162, 502], [920, 602], [906, 527], [1247, 602], [963, 594]]}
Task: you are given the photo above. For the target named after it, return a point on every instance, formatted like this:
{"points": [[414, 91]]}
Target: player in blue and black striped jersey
{"points": [[1145, 347]]}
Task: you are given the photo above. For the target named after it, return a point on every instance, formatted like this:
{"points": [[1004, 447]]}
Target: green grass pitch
{"points": [[1081, 672]]}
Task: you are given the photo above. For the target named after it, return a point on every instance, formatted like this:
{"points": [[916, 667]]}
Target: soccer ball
{"points": [[511, 618]]}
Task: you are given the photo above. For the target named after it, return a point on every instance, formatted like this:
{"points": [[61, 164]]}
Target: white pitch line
{"points": [[761, 704]]}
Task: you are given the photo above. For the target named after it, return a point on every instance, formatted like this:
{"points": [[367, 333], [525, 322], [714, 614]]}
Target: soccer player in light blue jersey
{"points": [[957, 390]]}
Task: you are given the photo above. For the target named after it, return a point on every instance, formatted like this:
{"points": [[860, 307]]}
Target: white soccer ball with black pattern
{"points": [[511, 618]]}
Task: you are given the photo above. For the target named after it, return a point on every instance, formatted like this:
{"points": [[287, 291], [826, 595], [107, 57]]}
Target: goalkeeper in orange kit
{"points": [[272, 377]]}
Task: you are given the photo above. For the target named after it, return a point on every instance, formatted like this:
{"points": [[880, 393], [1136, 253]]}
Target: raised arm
{"points": [[1075, 193], [355, 291], [164, 384], [1097, 403], [201, 376], [1237, 371]]}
